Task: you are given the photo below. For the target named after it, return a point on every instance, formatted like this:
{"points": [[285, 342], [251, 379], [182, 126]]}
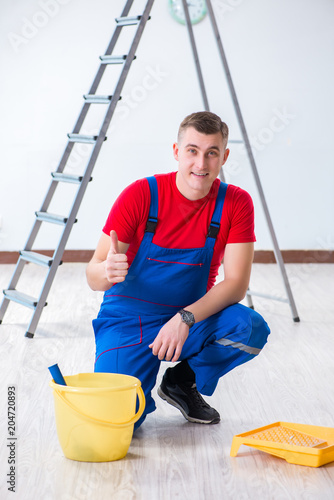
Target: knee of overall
{"points": [[260, 330]]}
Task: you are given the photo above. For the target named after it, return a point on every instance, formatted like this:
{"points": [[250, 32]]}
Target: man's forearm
{"points": [[220, 296], [96, 276]]}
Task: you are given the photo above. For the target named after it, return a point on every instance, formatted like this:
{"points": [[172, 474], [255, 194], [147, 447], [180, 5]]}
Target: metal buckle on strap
{"points": [[213, 230], [151, 225]]}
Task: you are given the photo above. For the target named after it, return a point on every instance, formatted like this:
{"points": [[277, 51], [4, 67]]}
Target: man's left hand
{"points": [[170, 339]]}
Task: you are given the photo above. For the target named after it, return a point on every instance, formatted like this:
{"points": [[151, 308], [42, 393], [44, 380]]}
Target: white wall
{"points": [[281, 60]]}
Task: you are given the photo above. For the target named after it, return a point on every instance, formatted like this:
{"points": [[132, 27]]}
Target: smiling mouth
{"points": [[199, 175]]}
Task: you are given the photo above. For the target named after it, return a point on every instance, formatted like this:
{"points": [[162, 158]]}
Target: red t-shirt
{"points": [[182, 223]]}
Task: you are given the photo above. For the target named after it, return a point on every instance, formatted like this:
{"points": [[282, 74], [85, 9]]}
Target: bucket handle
{"points": [[141, 397]]}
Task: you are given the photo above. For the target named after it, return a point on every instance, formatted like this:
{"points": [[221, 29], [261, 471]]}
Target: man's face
{"points": [[200, 158]]}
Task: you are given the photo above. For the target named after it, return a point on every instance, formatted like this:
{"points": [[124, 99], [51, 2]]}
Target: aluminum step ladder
{"points": [[289, 298], [60, 176]]}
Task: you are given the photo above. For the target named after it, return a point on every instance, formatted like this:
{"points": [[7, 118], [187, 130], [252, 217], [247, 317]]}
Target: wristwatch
{"points": [[187, 317]]}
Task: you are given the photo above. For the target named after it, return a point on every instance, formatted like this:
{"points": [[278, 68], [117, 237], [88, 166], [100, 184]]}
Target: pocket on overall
{"points": [[116, 333], [181, 279]]}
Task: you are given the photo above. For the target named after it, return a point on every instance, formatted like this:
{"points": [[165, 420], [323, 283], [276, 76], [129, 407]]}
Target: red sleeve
{"points": [[241, 217], [129, 213]]}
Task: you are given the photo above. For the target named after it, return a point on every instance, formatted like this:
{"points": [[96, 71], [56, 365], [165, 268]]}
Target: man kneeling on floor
{"points": [[157, 261]]}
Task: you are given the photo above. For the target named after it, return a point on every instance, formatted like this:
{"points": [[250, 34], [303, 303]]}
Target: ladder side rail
{"points": [[41, 303], [83, 113], [221, 175], [101, 70], [108, 116], [122, 78], [3, 308], [32, 235], [198, 69], [57, 256], [199, 73], [277, 251], [97, 80], [195, 54], [99, 75], [90, 166], [249, 300], [13, 282], [86, 106], [58, 253], [117, 31]]}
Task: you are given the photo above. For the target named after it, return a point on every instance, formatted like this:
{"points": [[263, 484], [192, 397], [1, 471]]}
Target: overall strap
{"points": [[152, 220], [216, 216]]}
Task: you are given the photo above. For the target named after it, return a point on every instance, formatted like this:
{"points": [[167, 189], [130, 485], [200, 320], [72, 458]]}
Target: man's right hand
{"points": [[116, 264]]}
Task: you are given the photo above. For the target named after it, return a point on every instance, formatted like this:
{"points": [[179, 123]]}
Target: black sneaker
{"points": [[188, 400]]}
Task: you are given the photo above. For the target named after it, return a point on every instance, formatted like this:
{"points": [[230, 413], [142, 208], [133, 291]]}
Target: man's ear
{"points": [[226, 153], [176, 151]]}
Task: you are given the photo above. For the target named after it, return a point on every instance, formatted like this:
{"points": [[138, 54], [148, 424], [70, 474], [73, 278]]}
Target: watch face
{"points": [[187, 317], [197, 10]]}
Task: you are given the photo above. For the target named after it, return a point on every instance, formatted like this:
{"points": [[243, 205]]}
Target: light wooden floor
{"points": [[292, 380]]}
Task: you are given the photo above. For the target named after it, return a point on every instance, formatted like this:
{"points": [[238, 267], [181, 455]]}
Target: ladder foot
{"points": [[29, 335], [296, 319]]}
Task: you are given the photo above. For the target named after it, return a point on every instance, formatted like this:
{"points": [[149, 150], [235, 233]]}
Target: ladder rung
{"points": [[53, 218], [88, 139], [113, 59], [97, 99], [21, 298], [128, 21], [267, 296], [74, 179], [36, 258]]}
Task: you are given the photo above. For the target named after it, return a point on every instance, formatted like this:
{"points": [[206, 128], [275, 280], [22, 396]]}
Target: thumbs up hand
{"points": [[116, 264], [114, 243]]}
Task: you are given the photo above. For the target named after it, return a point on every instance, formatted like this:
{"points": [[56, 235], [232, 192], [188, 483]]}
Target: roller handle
{"points": [[57, 375]]}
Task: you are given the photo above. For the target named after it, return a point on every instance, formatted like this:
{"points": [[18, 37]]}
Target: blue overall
{"points": [[161, 281]]}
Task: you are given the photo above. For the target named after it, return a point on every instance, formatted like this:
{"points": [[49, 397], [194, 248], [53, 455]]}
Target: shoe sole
{"points": [[163, 396]]}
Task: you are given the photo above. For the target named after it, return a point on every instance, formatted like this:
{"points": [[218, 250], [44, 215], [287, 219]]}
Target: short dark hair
{"points": [[204, 122]]}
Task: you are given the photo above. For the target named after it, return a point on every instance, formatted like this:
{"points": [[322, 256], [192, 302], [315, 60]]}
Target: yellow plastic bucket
{"points": [[95, 415]]}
